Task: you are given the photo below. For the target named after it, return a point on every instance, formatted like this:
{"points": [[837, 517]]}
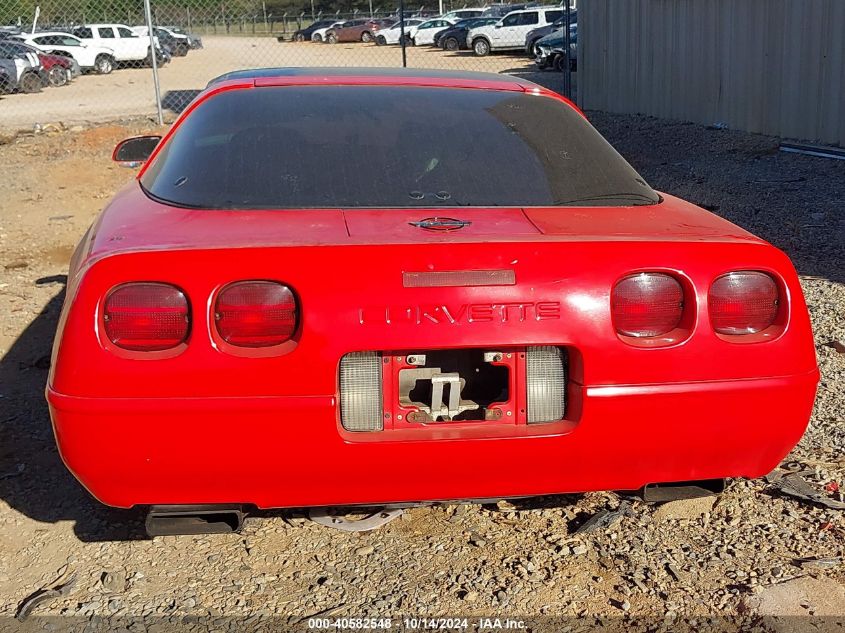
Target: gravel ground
{"points": [[737, 555]]}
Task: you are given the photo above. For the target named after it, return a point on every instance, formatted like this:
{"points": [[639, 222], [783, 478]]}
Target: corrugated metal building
{"points": [[770, 66]]}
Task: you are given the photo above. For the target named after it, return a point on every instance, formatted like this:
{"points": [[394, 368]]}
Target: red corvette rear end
{"points": [[330, 289]]}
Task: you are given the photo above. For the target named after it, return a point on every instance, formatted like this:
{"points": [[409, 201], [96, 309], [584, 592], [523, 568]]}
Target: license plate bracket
{"points": [[454, 387]]}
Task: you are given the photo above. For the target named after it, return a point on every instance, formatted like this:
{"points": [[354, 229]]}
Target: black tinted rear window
{"points": [[374, 146]]}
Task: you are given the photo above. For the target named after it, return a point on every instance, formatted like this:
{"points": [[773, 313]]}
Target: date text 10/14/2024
{"points": [[417, 624]]}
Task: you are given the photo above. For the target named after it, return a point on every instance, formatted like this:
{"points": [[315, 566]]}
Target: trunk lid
{"points": [[134, 222], [436, 225]]}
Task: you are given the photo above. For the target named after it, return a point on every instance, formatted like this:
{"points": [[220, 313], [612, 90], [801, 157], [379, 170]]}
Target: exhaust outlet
{"points": [[174, 520], [674, 491]]}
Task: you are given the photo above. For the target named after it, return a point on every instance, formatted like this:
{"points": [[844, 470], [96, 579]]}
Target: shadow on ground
{"points": [[33, 479]]}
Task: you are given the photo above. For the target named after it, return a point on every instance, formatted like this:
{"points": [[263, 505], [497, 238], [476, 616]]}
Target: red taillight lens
{"points": [[743, 302], [146, 317], [255, 313], [647, 304]]}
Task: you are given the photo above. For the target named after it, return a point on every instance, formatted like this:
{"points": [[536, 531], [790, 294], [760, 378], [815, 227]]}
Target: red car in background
{"points": [[493, 304], [58, 70]]}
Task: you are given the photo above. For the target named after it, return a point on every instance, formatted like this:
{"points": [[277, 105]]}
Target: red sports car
{"points": [[337, 287]]}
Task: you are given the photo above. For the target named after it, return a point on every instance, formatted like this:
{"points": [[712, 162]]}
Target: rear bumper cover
{"points": [[291, 451]]}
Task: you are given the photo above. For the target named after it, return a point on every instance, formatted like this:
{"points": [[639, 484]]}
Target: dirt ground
{"points": [[130, 91], [752, 552]]}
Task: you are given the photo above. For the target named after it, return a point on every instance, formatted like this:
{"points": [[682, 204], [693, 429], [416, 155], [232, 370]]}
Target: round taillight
{"points": [[647, 304], [255, 313], [146, 316], [743, 302]]}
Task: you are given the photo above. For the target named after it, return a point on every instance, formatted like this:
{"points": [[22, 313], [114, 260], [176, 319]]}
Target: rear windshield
{"points": [[374, 146]]}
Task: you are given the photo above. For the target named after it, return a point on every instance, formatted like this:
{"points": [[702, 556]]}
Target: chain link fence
{"points": [[92, 60]]}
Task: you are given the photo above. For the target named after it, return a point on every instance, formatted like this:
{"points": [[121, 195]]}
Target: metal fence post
{"points": [[402, 32], [153, 60], [567, 42]]}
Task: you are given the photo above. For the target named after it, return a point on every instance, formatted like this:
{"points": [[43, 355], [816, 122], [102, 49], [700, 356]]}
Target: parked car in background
{"points": [[127, 45], [194, 40], [8, 83], [392, 34], [535, 35], [360, 30], [382, 23], [320, 34], [90, 57], [177, 44], [163, 55], [24, 67], [348, 31], [60, 70], [454, 37], [182, 41], [550, 51], [424, 33], [462, 14], [501, 10], [8, 31], [510, 32], [303, 35]]}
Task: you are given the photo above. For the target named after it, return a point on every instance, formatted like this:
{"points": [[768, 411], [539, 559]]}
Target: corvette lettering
{"points": [[460, 313]]}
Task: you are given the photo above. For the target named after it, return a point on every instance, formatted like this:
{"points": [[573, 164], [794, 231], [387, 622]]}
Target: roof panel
{"points": [[314, 74]]}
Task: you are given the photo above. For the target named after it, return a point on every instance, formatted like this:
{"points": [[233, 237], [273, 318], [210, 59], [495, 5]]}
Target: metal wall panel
{"points": [[769, 66]]}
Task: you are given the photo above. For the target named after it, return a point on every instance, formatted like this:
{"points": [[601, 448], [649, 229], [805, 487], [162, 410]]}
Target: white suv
{"points": [[88, 56], [509, 32], [127, 46]]}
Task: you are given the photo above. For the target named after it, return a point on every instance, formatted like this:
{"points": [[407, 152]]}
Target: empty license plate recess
{"points": [[452, 389], [450, 386]]}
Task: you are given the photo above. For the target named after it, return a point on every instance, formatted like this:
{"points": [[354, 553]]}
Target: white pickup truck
{"points": [[127, 46]]}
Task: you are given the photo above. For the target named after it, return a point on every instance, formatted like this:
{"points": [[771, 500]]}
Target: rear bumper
{"points": [[291, 451]]}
